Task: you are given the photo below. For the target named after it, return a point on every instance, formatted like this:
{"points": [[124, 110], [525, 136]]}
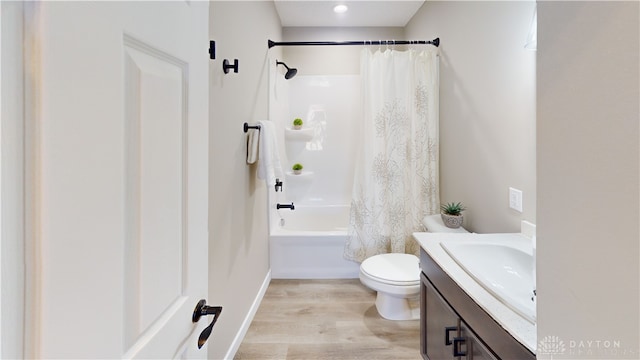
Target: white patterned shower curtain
{"points": [[396, 176]]}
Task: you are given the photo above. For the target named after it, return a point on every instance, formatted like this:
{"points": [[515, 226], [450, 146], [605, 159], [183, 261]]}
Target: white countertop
{"points": [[520, 328]]}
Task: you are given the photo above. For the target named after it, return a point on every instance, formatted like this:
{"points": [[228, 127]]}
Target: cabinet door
{"points": [[473, 346], [439, 325]]}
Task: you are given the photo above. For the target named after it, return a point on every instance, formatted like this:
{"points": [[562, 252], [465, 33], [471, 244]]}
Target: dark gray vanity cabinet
{"points": [[440, 328], [444, 334], [475, 349], [453, 326]]}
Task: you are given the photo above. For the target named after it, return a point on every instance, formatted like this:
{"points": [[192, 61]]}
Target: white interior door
{"points": [[120, 179]]}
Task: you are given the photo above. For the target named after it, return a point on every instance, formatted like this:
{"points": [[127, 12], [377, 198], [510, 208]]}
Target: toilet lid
{"points": [[399, 269]]}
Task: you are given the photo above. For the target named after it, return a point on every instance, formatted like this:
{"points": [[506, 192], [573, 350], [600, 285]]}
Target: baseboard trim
{"points": [[235, 345]]}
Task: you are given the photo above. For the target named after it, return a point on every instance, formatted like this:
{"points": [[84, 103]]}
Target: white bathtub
{"points": [[310, 243]]}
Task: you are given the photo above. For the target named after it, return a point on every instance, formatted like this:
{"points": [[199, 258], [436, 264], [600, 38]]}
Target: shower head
{"points": [[291, 72]]}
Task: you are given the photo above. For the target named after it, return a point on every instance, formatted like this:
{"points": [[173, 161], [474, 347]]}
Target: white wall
{"points": [[588, 177], [238, 236], [12, 182], [487, 107]]}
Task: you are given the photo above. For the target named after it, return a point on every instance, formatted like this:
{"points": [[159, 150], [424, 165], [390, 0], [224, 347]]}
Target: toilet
{"points": [[396, 277]]}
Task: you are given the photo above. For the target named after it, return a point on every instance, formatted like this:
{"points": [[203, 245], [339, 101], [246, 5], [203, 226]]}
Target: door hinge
{"points": [[212, 49]]}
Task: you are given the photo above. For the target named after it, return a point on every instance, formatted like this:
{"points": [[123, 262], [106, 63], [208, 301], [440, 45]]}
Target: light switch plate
{"points": [[515, 199]]}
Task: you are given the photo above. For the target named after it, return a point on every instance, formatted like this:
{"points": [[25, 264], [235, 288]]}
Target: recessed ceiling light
{"points": [[340, 8]]}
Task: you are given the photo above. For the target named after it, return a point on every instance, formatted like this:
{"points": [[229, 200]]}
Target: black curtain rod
{"points": [[435, 42]]}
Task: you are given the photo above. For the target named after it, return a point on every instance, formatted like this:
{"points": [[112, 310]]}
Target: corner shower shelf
{"points": [[305, 177], [304, 174], [304, 134]]}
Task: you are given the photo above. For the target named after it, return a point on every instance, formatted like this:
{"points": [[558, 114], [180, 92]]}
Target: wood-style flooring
{"points": [[326, 319]]}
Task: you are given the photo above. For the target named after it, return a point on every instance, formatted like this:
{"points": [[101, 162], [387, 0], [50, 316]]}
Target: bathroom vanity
{"points": [[460, 319]]}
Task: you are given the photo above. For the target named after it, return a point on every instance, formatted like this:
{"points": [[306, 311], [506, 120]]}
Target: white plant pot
{"points": [[297, 172], [297, 127]]}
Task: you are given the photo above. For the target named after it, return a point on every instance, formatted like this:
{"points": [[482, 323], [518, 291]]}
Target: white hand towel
{"points": [[269, 167], [252, 146]]}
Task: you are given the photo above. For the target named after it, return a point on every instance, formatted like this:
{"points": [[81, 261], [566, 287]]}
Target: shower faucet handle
{"points": [[278, 185]]}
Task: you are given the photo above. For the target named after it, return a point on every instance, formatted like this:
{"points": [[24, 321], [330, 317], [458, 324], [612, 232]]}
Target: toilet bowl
{"points": [[396, 278]]}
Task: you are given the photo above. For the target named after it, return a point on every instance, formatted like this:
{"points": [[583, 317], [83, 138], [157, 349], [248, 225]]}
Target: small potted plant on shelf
{"points": [[297, 123], [452, 214], [297, 169]]}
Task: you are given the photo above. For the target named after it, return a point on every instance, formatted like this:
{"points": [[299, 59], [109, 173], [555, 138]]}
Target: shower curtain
{"points": [[396, 176]]}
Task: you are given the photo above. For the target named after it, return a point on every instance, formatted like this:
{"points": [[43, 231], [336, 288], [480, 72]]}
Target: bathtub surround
{"points": [[396, 177], [309, 242], [325, 145]]}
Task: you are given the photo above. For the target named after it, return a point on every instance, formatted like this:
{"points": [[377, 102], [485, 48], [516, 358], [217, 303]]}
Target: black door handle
{"points": [[202, 309]]}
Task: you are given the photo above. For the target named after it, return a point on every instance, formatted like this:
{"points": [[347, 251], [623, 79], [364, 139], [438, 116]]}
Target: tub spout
{"points": [[285, 206]]}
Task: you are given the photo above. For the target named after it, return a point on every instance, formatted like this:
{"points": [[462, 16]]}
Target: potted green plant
{"points": [[452, 214], [297, 123], [297, 169]]}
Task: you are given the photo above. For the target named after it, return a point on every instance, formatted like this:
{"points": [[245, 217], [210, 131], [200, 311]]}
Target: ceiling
{"points": [[376, 13]]}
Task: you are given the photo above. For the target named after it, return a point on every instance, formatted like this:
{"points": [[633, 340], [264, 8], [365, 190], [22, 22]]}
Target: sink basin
{"points": [[504, 271]]}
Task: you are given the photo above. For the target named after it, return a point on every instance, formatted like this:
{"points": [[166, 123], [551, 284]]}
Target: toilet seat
{"points": [[393, 269]]}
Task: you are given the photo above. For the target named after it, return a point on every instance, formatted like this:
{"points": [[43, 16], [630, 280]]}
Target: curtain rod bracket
{"points": [[226, 66]]}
